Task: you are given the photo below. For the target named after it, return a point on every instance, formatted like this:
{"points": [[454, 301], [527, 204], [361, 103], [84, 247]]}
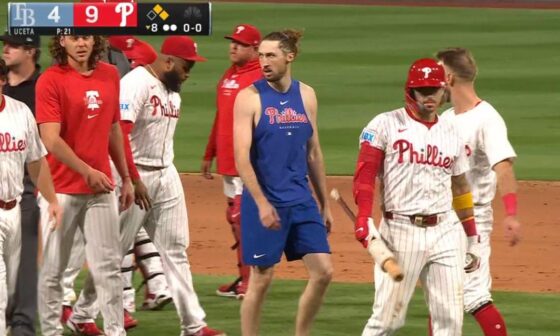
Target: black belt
{"points": [[8, 205], [418, 220]]}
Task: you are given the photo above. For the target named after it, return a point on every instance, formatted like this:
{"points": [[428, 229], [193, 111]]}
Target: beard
{"points": [[171, 81]]}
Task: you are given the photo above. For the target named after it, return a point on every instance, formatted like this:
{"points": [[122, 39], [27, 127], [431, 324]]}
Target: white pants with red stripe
{"points": [[432, 255], [167, 225], [10, 248], [97, 217]]}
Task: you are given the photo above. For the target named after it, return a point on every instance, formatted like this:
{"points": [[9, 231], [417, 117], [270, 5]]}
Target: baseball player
{"points": [[20, 145], [244, 70], [21, 54], [421, 163], [276, 147], [78, 115], [490, 157], [150, 106], [147, 258]]}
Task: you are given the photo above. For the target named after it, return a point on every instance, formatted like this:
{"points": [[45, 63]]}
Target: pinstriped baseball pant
{"points": [[10, 245], [97, 217], [167, 226], [433, 255]]}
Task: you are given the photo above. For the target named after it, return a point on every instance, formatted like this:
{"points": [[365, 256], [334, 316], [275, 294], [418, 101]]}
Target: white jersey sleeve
{"points": [[134, 94], [496, 144], [375, 133], [35, 150]]}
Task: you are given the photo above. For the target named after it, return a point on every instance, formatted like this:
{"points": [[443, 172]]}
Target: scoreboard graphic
{"points": [[111, 18]]}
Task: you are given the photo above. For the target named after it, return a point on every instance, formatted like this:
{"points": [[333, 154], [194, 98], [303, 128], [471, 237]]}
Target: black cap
{"points": [[22, 40]]}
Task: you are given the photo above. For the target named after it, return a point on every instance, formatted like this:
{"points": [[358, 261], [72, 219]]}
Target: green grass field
{"points": [[357, 57], [345, 312]]}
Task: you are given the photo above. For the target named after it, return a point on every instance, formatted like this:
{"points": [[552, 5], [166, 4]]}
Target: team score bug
{"points": [[187, 27]]}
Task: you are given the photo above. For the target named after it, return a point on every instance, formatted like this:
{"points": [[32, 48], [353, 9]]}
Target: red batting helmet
{"points": [[425, 72]]}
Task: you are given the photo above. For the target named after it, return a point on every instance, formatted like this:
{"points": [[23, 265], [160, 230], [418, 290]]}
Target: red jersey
{"points": [[220, 142], [86, 108]]}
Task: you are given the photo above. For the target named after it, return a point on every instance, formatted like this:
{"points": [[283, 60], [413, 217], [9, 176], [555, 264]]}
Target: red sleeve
{"points": [[126, 127], [210, 152], [369, 162], [48, 108], [117, 107]]}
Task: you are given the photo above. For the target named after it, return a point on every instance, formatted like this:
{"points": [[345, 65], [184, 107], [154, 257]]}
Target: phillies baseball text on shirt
{"points": [[288, 115], [8, 143], [432, 157]]}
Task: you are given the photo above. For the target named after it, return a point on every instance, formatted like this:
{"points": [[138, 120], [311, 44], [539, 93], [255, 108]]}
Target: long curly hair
{"points": [[60, 56]]}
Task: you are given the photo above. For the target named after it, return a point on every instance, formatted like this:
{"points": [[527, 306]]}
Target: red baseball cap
{"points": [[181, 46], [245, 34], [138, 51]]}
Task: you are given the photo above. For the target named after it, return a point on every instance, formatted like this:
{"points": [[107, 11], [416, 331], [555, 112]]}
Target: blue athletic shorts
{"points": [[302, 231]]}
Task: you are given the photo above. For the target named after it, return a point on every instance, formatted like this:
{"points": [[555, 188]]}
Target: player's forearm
{"points": [[116, 151], [210, 151], [463, 204], [126, 128], [62, 152], [317, 175], [40, 174], [507, 186], [249, 178], [505, 177]]}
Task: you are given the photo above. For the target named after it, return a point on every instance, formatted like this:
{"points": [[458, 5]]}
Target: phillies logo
{"points": [[91, 100], [427, 71], [165, 110], [287, 116], [230, 84], [432, 156], [9, 143]]}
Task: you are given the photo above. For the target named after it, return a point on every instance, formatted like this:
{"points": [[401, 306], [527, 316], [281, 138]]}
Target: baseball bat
{"points": [[390, 265]]}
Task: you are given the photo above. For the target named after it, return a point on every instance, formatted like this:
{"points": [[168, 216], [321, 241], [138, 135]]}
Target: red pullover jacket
{"points": [[220, 142]]}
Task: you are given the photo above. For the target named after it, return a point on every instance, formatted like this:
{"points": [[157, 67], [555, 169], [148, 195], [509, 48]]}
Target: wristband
{"points": [[469, 226], [510, 203]]}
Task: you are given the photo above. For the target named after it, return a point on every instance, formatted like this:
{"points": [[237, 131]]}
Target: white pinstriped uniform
{"points": [[155, 112], [19, 144], [416, 178], [485, 134]]}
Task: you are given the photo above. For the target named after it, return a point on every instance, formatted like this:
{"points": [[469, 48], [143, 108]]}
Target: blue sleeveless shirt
{"points": [[279, 149]]}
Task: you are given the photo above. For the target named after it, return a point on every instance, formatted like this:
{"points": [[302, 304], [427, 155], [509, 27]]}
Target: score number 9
{"points": [[92, 14]]}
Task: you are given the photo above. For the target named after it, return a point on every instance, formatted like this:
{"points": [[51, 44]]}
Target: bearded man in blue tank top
{"points": [[276, 147]]}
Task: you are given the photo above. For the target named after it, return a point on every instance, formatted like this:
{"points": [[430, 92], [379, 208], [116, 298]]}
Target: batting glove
{"points": [[362, 229], [472, 260]]}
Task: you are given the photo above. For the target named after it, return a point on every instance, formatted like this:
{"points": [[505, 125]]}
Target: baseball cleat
{"points": [[66, 313], [207, 331], [83, 329], [156, 302], [237, 289], [129, 321]]}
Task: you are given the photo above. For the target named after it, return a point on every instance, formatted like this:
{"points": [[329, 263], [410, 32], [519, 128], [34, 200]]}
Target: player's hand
{"points": [[269, 216], [127, 195], [98, 182], [512, 229], [328, 218], [472, 259], [361, 229], [205, 169], [55, 216], [141, 197]]}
